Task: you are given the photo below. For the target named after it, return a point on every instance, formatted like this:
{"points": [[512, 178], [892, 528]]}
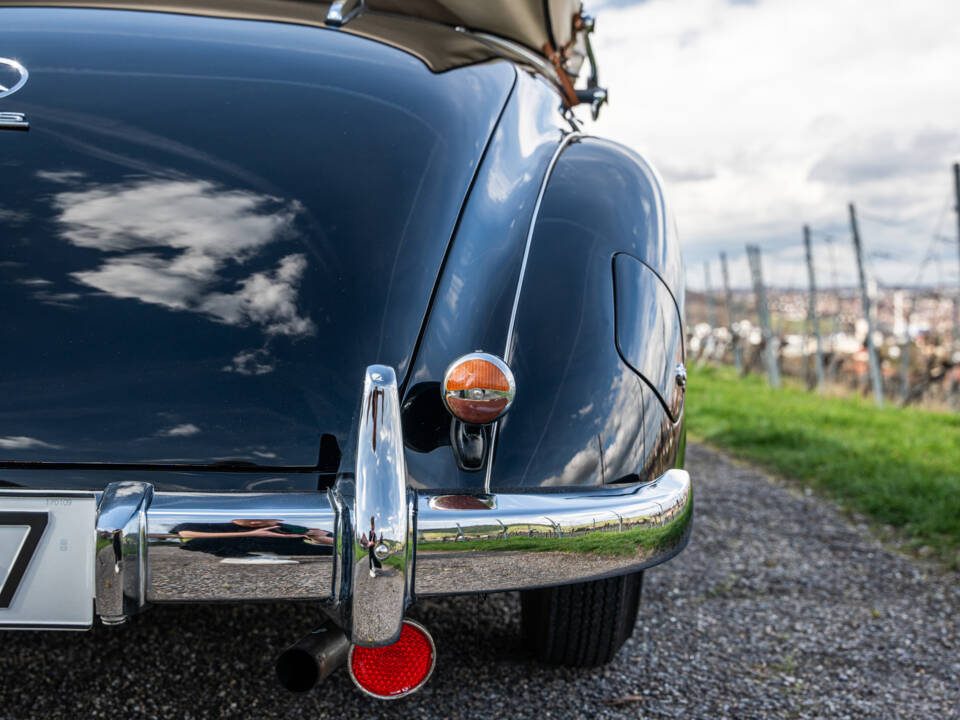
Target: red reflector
{"points": [[395, 670]]}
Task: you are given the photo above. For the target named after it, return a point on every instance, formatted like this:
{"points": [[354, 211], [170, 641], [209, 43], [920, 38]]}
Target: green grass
{"points": [[900, 467]]}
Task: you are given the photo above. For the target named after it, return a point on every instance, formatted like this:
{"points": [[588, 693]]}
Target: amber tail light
{"points": [[478, 388]]}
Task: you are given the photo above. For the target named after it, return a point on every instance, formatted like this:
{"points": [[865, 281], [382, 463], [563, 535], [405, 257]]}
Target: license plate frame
{"points": [[47, 544]]}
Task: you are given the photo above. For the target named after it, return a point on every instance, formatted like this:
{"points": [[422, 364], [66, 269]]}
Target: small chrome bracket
{"points": [[343, 11], [595, 95], [600, 98], [681, 373], [121, 554], [13, 121], [377, 541]]}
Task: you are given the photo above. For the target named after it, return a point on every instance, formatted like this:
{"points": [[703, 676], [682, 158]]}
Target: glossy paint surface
{"points": [[649, 336], [476, 290], [214, 226], [583, 416], [211, 229]]}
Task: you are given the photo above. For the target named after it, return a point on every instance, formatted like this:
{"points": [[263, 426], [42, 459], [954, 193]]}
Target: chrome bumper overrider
{"points": [[370, 545]]}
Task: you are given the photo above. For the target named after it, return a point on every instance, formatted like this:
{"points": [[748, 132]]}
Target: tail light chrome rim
{"points": [[478, 388]]}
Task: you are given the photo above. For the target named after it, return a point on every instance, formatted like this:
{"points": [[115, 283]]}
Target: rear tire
{"points": [[581, 625]]}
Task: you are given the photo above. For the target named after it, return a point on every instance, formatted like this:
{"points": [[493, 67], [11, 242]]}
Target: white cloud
{"points": [[765, 116]]}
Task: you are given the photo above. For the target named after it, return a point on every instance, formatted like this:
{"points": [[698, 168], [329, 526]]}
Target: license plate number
{"points": [[46, 560]]}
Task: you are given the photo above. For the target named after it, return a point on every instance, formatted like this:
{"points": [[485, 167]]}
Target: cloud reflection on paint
{"points": [[13, 217], [22, 442], [183, 430], [170, 240], [251, 362]]}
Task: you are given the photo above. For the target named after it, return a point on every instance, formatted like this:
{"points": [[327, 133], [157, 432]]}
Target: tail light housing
{"points": [[478, 388]]}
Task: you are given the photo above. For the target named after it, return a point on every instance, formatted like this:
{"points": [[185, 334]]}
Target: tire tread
{"points": [[581, 625]]}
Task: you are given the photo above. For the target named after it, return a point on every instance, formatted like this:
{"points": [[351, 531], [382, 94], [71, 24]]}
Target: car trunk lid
{"points": [[213, 226]]}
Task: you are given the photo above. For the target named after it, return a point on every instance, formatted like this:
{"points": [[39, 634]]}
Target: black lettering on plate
{"points": [[37, 522]]}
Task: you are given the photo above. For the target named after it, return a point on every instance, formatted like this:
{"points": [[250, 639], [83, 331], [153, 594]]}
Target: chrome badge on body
{"points": [[13, 76]]}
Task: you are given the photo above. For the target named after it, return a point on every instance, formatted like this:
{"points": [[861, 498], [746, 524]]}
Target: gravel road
{"points": [[778, 608]]}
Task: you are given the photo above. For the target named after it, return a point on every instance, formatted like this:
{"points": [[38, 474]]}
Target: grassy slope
{"points": [[899, 466]]}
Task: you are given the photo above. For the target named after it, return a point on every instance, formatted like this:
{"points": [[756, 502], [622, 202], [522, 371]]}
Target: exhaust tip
{"points": [[297, 670], [395, 671], [301, 666]]}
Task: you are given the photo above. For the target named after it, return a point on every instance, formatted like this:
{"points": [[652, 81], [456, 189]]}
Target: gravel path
{"points": [[778, 608]]}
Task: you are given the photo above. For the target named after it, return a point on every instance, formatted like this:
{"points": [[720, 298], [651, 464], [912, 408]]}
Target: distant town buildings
{"points": [[913, 331]]}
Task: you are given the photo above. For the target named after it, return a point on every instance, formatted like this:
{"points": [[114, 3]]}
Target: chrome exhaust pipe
{"points": [[303, 665]]}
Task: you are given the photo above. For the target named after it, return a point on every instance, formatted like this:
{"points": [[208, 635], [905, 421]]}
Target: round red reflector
{"points": [[396, 670]]}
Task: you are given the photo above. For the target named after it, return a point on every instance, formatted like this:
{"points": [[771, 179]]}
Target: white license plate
{"points": [[46, 559]]}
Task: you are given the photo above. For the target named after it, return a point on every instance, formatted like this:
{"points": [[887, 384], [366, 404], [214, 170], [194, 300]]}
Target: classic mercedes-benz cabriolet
{"points": [[335, 303]]}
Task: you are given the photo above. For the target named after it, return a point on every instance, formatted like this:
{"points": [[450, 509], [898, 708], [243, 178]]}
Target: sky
{"points": [[764, 115]]}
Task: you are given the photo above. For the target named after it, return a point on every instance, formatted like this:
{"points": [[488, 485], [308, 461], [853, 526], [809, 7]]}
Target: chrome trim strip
{"points": [[567, 139], [120, 580], [495, 42], [381, 530], [13, 121], [495, 430], [342, 555]]}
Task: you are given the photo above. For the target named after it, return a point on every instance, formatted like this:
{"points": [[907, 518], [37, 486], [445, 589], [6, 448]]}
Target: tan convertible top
{"points": [[534, 23], [549, 35], [554, 30], [543, 26]]}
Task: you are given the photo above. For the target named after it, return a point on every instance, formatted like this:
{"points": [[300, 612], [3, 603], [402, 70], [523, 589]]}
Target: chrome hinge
{"points": [[681, 371], [343, 11]]}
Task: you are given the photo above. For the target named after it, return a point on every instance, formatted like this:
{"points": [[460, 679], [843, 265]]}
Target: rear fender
{"points": [[598, 335]]}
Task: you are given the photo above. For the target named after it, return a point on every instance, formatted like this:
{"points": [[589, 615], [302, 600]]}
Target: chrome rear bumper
{"points": [[370, 545]]}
